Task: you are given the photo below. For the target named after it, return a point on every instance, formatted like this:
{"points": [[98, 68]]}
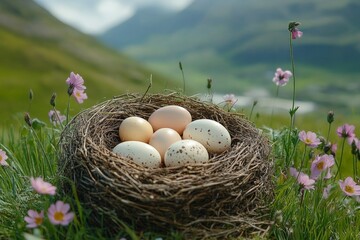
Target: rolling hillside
{"points": [[240, 44], [38, 52]]}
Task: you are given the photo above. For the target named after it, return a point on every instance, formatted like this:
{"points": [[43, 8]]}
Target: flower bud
{"points": [[27, 119], [71, 89], [327, 148], [52, 99], [180, 66], [330, 117], [31, 94], [293, 25], [209, 82]]}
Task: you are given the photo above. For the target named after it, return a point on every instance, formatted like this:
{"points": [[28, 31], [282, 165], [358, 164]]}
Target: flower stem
{"points": [[292, 111], [341, 157], [58, 118], [183, 76], [328, 134], [67, 110], [252, 109]]}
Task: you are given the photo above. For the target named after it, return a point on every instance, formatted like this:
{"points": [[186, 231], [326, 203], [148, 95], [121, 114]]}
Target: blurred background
{"points": [[117, 44]]}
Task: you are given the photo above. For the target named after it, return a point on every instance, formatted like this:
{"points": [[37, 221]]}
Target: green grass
{"points": [[43, 64], [296, 214]]}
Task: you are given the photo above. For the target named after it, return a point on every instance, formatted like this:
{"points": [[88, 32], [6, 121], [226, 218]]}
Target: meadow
{"points": [[317, 190]]}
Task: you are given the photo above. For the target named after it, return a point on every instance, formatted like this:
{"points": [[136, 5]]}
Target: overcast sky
{"points": [[96, 16]]}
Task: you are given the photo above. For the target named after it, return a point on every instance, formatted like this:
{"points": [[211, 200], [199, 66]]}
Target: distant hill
{"points": [[38, 52], [240, 44]]}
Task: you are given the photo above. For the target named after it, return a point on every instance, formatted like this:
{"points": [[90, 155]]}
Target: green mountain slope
{"points": [[240, 44], [38, 52]]}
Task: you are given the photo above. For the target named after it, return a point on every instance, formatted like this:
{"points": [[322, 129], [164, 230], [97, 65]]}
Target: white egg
{"points": [[185, 152], [214, 136], [140, 152]]}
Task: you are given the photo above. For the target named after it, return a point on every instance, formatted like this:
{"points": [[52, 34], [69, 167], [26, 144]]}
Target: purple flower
{"points": [[294, 172], [58, 213], [42, 187], [76, 81], [326, 191], [296, 33], [349, 187], [303, 179], [80, 96], [281, 77], [230, 99], [56, 118], [346, 131], [309, 138], [34, 219], [320, 164], [3, 158]]}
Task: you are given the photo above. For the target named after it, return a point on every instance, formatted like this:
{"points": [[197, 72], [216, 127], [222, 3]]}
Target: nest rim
{"points": [[86, 158]]}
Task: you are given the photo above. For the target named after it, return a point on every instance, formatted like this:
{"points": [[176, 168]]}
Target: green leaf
{"points": [[37, 124]]}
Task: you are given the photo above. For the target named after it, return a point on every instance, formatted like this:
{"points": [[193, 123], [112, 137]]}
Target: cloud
{"points": [[96, 16]]}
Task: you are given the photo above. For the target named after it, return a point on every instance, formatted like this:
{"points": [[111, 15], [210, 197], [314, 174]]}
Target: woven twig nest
{"points": [[229, 196]]}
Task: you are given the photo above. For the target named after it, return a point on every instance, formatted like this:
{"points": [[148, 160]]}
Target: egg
{"points": [[185, 152], [135, 129], [214, 136], [172, 116], [140, 152], [163, 138]]}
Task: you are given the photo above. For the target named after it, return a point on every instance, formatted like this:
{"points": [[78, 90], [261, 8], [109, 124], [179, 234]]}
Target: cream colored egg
{"points": [[163, 138], [172, 116], [140, 152], [214, 136], [185, 152], [135, 129]]}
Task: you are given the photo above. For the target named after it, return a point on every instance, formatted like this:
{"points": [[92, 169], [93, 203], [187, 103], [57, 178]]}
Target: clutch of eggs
{"points": [[165, 146]]}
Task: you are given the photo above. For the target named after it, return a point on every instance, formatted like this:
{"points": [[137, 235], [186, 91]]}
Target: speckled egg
{"points": [[140, 152], [172, 116], [135, 129], [214, 136], [185, 152]]}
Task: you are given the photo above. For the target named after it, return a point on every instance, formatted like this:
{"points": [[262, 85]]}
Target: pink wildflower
{"points": [[76, 81], [346, 131], [34, 218], [80, 96], [230, 99], [296, 33], [303, 179], [326, 191], [294, 172], [320, 164], [309, 138], [42, 187], [349, 187], [56, 118], [281, 77], [333, 149], [58, 213], [3, 158], [355, 145]]}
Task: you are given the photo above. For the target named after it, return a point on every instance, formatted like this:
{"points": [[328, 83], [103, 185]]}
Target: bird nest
{"points": [[227, 197]]}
